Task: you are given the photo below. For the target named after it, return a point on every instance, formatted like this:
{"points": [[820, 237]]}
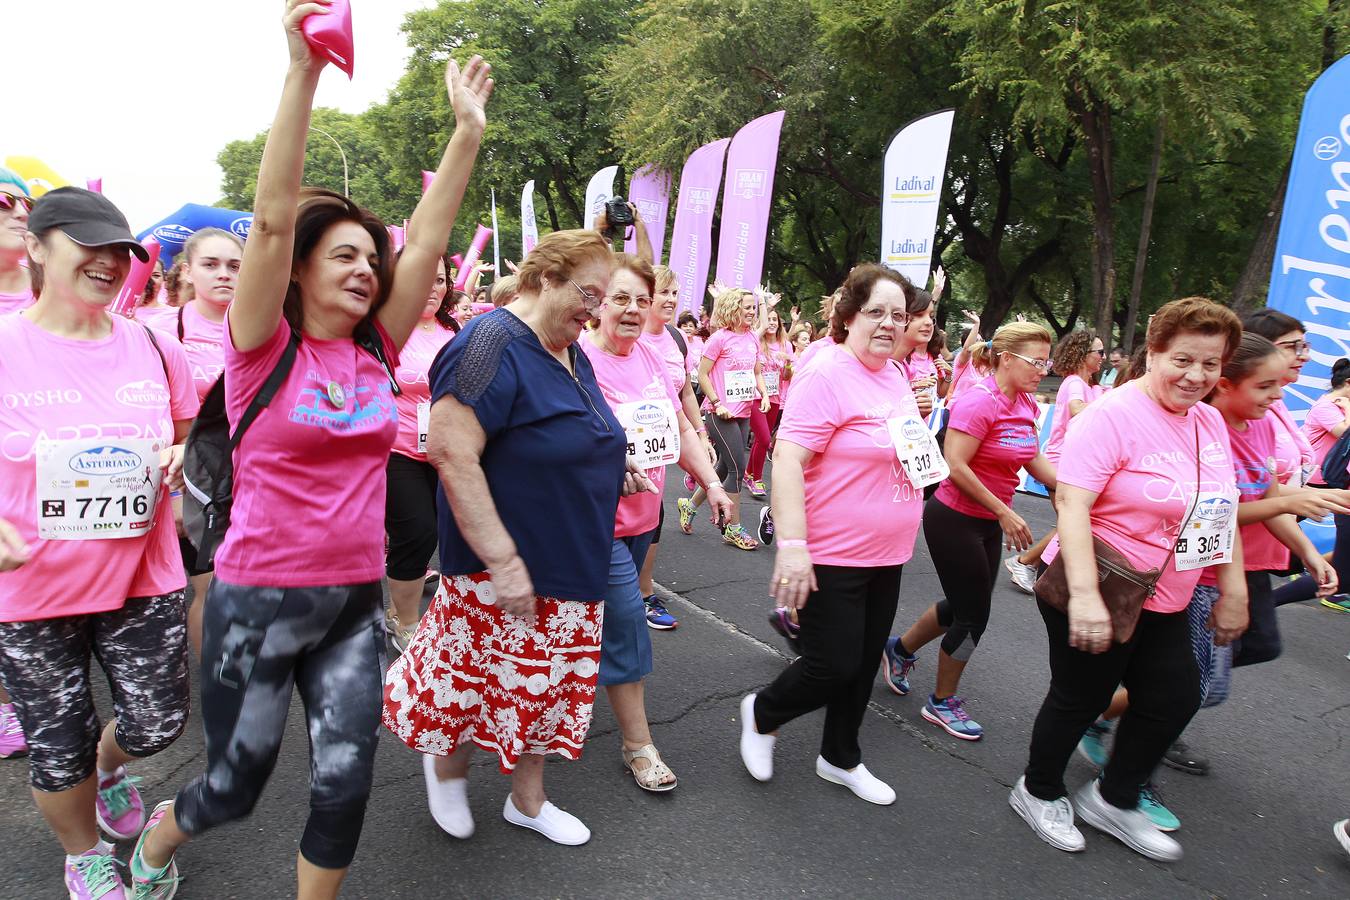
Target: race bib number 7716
{"points": [[94, 488]]}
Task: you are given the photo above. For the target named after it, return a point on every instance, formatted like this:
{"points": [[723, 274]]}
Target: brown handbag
{"points": [[1124, 588]]}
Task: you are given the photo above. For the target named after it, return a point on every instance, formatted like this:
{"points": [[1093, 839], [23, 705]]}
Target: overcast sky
{"points": [[145, 93]]}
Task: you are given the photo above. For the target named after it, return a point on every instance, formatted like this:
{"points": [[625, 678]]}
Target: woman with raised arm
{"points": [[296, 601]]}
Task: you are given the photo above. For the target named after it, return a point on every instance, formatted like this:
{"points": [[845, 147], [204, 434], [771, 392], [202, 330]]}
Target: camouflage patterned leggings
{"points": [[44, 664]]}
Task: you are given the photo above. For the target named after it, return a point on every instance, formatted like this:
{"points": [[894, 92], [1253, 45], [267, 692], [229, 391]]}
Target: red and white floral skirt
{"points": [[474, 672]]}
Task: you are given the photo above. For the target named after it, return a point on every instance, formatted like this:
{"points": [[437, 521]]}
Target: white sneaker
{"points": [[859, 781], [1023, 575], [448, 800], [558, 826], [1342, 831], [756, 748], [1052, 820], [1132, 827]]}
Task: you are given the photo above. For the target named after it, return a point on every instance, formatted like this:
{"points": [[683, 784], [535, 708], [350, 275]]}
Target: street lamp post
{"points": [[346, 185]]}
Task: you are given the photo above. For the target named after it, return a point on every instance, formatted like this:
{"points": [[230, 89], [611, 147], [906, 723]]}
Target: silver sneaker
{"points": [[1023, 575], [1132, 827], [1052, 820]]}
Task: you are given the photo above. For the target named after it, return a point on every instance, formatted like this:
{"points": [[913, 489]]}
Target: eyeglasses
{"points": [[8, 201], [1298, 348], [591, 301], [876, 314], [623, 300], [1097, 350], [1040, 365]]}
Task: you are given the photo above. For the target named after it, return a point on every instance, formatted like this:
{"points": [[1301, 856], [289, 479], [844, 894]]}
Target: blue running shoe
{"points": [[1093, 745], [950, 715], [896, 668], [1151, 804], [657, 616]]}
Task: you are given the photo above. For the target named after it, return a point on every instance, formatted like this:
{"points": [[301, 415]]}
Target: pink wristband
{"points": [[801, 542]]}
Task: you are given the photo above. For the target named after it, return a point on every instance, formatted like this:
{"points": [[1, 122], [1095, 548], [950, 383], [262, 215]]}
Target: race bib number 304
{"points": [[93, 488], [918, 451], [652, 431]]}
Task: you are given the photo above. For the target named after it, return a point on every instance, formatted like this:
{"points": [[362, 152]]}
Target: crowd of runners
{"points": [[268, 395]]}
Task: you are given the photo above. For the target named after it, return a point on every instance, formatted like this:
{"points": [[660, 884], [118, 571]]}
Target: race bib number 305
{"points": [[1207, 539], [652, 431], [739, 386], [93, 488], [918, 451]]}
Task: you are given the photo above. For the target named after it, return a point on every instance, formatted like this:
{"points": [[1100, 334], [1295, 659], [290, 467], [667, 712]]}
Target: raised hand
{"points": [[939, 282], [469, 91], [302, 55]]}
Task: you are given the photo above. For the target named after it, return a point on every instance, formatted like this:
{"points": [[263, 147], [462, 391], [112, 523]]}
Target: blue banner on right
{"points": [[1310, 279]]}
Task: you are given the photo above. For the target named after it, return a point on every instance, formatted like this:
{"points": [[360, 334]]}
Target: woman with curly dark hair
{"points": [[1078, 358]]}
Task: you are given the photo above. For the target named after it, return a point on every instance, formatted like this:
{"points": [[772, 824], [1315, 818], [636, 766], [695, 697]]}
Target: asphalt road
{"points": [[1259, 826]]}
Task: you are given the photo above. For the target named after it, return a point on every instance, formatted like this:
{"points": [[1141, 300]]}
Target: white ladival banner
{"points": [[911, 189], [529, 228], [599, 192]]}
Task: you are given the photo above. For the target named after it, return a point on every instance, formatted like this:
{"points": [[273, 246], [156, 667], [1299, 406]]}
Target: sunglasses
{"points": [[8, 201]]}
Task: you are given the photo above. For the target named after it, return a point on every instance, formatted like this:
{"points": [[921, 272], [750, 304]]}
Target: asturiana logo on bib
{"points": [[106, 461], [145, 394], [1214, 509], [914, 431], [647, 414]]}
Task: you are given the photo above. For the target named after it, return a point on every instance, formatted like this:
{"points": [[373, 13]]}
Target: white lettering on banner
{"points": [[25, 400], [749, 183]]}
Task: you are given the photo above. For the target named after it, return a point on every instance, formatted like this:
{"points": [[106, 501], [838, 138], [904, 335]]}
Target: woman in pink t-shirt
{"points": [[410, 492], [1148, 470], [731, 376], [775, 363], [16, 287], [1329, 417], [296, 601], [1293, 451], [638, 388], [93, 412], [846, 519], [991, 437]]}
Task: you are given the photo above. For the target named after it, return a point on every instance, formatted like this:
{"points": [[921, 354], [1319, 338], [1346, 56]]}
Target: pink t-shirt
{"points": [[1253, 468], [1294, 456], [309, 476], [920, 365], [641, 375], [1322, 417], [1006, 430], [14, 302], [204, 342], [773, 361], [730, 351], [664, 346], [693, 356], [1070, 389], [161, 318], [811, 350], [860, 508], [1140, 461], [59, 388], [964, 376], [414, 364]]}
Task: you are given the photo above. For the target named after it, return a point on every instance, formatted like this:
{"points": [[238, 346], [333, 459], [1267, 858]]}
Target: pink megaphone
{"points": [[427, 179], [480, 239], [137, 278], [397, 237], [95, 185], [330, 35]]}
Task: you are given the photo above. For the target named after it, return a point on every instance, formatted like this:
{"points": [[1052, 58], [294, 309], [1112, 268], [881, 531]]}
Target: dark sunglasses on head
{"points": [[8, 200]]}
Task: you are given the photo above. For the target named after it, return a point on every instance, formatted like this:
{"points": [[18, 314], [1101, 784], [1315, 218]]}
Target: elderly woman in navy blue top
{"points": [[531, 464]]}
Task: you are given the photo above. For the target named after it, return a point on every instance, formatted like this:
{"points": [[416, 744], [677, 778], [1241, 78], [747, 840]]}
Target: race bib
{"points": [[739, 386], [771, 383], [652, 430], [91, 488], [1207, 539], [918, 451], [423, 425]]}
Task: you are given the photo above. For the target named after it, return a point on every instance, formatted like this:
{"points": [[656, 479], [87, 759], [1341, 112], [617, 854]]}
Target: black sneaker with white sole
{"points": [[766, 526]]}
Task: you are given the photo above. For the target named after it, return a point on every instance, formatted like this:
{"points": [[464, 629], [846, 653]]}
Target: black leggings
{"points": [[409, 517], [1157, 666], [142, 648], [965, 551], [844, 626], [1261, 641], [1305, 587], [730, 438], [257, 644]]}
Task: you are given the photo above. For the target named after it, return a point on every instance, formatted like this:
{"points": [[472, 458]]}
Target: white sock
{"points": [[102, 848], [104, 776]]}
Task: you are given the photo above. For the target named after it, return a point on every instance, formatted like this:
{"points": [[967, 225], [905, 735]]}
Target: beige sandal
{"points": [[653, 777]]}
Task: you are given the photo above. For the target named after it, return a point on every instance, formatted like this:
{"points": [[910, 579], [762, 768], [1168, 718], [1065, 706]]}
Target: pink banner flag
{"points": [[397, 237], [95, 185], [691, 239], [746, 202], [649, 191], [427, 179], [480, 239], [329, 34], [138, 276]]}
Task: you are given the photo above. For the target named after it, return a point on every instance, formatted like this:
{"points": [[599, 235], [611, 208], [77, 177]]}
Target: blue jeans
{"points": [[626, 645]]}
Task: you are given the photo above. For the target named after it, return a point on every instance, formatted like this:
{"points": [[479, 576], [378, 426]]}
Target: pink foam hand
{"points": [[138, 276], [95, 185], [427, 179], [330, 35], [397, 237]]}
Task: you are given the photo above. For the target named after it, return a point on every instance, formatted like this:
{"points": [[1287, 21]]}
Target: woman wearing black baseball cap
{"points": [[93, 410]]}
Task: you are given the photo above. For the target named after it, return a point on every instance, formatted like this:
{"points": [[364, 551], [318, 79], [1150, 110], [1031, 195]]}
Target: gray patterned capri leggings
{"points": [[731, 439], [44, 664], [258, 644]]}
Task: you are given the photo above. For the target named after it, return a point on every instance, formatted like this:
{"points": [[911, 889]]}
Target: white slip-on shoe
{"points": [[859, 781], [1342, 831], [1132, 827], [1052, 820], [756, 748], [558, 826], [448, 800]]}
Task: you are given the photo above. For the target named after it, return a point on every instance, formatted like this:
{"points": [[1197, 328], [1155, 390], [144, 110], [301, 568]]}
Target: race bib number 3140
{"points": [[92, 488]]}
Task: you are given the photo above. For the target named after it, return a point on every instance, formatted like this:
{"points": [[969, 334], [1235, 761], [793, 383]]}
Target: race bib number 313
{"points": [[92, 488], [918, 451]]}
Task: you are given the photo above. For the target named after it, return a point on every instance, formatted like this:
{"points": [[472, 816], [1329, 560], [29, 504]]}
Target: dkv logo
{"points": [[106, 461], [144, 394], [649, 414]]}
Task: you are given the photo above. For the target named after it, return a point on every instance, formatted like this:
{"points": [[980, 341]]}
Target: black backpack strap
{"points": [[367, 337], [268, 390], [180, 324], [679, 340]]}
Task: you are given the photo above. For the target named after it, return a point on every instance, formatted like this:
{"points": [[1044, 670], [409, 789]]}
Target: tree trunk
{"points": [[1094, 117], [1145, 227], [1250, 291]]}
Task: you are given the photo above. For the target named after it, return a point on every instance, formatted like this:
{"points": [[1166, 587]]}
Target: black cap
{"points": [[88, 219]]}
